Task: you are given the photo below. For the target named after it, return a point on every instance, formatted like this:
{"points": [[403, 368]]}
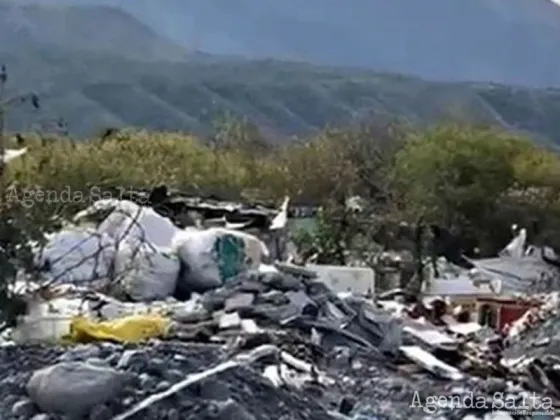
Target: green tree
{"points": [[470, 179]]}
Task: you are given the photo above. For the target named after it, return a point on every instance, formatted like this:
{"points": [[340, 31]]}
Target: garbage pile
{"points": [[136, 318]]}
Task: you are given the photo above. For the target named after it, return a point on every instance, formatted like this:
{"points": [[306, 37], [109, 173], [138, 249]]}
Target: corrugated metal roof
{"points": [[452, 287], [529, 274]]}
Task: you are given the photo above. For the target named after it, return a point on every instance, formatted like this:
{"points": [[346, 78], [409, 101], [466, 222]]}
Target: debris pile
{"points": [[137, 318]]}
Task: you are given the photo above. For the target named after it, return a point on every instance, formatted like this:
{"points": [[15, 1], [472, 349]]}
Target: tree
{"points": [[18, 226], [470, 180]]}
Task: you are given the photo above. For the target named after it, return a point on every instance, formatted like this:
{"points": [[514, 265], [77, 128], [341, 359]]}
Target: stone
{"points": [[212, 389], [81, 353], [156, 366], [239, 301], [346, 405], [231, 410], [252, 286], [274, 297], [173, 414], [495, 385], [130, 358], [146, 381], [249, 326], [24, 408], [162, 386], [100, 412], [113, 359], [41, 416], [174, 375], [280, 281], [74, 388], [96, 361], [231, 320]]}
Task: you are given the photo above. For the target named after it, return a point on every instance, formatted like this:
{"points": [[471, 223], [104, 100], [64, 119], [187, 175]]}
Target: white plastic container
{"points": [[45, 329]]}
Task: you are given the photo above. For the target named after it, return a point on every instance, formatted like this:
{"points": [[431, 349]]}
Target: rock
{"points": [[24, 408], [173, 414], [239, 301], [280, 281], [162, 386], [274, 297], [11, 400], [252, 286], [96, 361], [113, 359], [495, 385], [231, 410], [133, 358], [41, 416], [74, 388], [100, 412], [156, 366], [80, 353], [146, 381], [212, 389], [230, 321], [174, 375], [346, 405]]}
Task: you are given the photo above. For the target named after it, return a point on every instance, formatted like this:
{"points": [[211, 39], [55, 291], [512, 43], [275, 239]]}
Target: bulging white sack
{"points": [[129, 222], [213, 256], [77, 255], [144, 272]]}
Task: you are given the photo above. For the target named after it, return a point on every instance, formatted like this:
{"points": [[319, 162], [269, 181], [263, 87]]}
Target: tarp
{"points": [[132, 329]]}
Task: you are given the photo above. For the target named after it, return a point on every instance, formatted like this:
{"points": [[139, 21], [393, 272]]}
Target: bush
{"points": [[476, 181]]}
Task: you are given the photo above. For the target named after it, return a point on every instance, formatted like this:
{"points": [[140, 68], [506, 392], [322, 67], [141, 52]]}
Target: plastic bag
{"points": [[213, 256], [144, 272], [127, 221], [77, 255], [132, 329]]}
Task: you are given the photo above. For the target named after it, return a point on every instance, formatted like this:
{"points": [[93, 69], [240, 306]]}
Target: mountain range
{"points": [[291, 67]]}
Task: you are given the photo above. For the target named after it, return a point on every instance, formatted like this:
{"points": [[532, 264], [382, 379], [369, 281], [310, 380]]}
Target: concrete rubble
{"points": [[259, 339]]}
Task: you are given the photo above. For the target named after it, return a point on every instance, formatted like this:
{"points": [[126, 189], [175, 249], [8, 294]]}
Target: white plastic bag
{"points": [[145, 273], [213, 256], [77, 255], [516, 248], [130, 222]]}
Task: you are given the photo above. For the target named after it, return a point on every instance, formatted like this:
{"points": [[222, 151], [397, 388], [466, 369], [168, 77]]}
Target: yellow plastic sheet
{"points": [[131, 329]]}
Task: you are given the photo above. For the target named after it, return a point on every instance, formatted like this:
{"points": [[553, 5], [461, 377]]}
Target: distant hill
{"points": [[126, 74], [503, 41]]}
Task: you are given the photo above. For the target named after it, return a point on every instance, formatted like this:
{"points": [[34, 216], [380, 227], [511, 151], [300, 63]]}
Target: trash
{"points": [[131, 329], [279, 222], [11, 154], [78, 256], [358, 280], [318, 334], [214, 256], [126, 221], [144, 272], [230, 321], [46, 321], [239, 301], [431, 363]]}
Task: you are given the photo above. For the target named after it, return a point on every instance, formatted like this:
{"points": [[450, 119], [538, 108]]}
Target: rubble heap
{"points": [[266, 341]]}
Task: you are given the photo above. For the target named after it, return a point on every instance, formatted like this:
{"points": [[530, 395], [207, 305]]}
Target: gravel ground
{"points": [[548, 333], [239, 394], [155, 367]]}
